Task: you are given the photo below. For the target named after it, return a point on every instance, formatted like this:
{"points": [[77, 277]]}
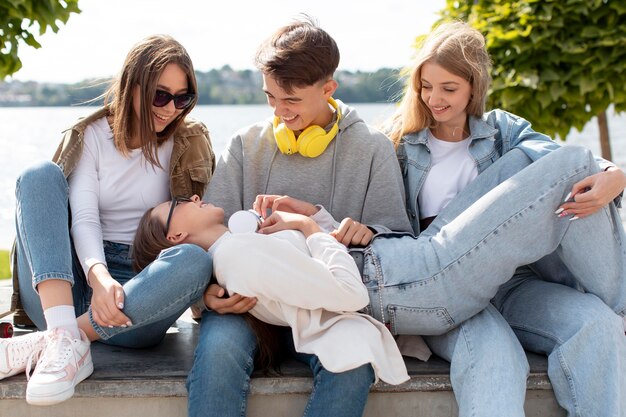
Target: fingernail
{"points": [[567, 196], [559, 210], [121, 305], [128, 323], [574, 218], [563, 214], [124, 326], [110, 326]]}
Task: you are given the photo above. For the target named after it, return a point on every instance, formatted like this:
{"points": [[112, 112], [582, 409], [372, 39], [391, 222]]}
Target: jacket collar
{"points": [[479, 129], [82, 124]]}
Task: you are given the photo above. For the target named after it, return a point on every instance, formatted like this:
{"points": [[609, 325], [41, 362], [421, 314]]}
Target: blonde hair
{"points": [[143, 66], [458, 48]]}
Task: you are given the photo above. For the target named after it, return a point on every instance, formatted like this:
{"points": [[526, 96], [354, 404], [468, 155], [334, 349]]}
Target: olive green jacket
{"points": [[191, 165]]}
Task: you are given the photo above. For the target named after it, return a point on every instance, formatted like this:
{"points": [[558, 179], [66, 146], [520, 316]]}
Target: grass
{"points": [[5, 272]]}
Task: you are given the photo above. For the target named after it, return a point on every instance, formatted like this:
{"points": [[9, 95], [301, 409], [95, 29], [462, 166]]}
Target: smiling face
{"points": [[173, 80], [302, 107], [446, 95], [190, 219]]}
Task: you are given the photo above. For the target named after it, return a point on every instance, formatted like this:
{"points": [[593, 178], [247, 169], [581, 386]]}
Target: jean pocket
{"points": [[419, 321]]}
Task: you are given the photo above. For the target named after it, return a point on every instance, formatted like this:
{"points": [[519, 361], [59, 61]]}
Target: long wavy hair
{"points": [[150, 240], [458, 48], [143, 67]]}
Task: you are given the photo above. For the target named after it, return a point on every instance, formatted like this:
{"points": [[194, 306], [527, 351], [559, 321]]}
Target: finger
{"points": [[361, 236], [571, 207], [348, 237], [96, 317], [220, 304], [215, 290], [256, 204], [282, 200], [582, 186], [343, 229], [119, 297], [245, 305], [265, 203]]}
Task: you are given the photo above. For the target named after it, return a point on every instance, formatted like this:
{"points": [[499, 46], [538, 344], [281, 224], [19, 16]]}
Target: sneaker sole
{"points": [[59, 397]]}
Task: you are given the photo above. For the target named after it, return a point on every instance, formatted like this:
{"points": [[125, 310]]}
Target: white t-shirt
{"points": [[109, 193], [313, 286], [452, 168]]}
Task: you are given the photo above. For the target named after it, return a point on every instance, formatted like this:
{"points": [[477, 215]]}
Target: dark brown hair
{"points": [[150, 240], [143, 66], [300, 54]]}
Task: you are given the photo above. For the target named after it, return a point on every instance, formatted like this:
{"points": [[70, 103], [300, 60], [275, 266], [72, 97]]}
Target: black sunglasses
{"points": [[174, 203], [181, 101]]}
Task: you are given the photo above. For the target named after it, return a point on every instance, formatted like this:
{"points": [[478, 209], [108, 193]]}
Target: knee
{"points": [[43, 172], [574, 155], [602, 326], [189, 261]]}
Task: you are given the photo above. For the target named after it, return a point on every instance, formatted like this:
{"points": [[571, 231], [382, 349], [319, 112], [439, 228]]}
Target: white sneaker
{"points": [[19, 352], [64, 363]]}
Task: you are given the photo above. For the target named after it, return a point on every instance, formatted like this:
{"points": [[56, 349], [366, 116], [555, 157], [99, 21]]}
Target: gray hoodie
{"points": [[357, 176]]}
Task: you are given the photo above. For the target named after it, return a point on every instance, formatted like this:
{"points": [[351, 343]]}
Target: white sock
{"points": [[62, 317]]}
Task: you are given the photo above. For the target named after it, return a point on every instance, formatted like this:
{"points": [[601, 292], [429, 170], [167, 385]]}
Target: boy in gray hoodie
{"points": [[315, 149]]}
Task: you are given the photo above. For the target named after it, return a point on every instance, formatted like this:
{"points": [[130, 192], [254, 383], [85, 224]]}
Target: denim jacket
{"points": [[491, 136], [191, 165]]}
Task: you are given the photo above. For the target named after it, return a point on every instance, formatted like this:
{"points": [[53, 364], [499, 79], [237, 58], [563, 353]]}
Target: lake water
{"points": [[30, 134]]}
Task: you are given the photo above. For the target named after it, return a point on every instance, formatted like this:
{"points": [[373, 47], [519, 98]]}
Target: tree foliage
{"points": [[19, 19], [557, 63]]}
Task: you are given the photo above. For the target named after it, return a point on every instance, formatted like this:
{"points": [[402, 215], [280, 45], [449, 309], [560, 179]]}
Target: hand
{"points": [[236, 304], [351, 232], [282, 203], [280, 220], [107, 300], [594, 192]]}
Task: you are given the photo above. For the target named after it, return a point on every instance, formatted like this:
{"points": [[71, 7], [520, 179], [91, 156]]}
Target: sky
{"points": [[370, 33]]}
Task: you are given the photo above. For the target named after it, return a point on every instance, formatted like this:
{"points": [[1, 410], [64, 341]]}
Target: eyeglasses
{"points": [[181, 101], [174, 203]]}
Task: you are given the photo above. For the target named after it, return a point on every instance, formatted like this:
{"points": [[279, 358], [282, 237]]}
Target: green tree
{"points": [[557, 63], [20, 18]]}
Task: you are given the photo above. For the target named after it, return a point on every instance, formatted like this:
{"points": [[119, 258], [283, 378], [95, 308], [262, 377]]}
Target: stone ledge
{"points": [[162, 371]]}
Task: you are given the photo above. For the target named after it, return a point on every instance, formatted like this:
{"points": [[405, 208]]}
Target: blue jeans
{"points": [[501, 222], [219, 380], [154, 298]]}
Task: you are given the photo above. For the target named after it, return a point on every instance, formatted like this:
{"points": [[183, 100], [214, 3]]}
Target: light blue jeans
{"points": [[154, 298], [219, 380], [434, 283]]}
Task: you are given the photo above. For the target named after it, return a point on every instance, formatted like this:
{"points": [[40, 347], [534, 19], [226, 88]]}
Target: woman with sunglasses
{"points": [[74, 260]]}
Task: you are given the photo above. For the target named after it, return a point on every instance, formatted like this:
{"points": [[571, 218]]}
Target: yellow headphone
{"points": [[313, 140]]}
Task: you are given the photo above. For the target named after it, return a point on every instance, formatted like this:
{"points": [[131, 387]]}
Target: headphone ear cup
{"points": [[285, 139], [312, 141]]}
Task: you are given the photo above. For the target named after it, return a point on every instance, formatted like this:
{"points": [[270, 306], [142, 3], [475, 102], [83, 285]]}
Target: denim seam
{"points": [[570, 381], [495, 231], [379, 282], [246, 384], [470, 351], [316, 381]]}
